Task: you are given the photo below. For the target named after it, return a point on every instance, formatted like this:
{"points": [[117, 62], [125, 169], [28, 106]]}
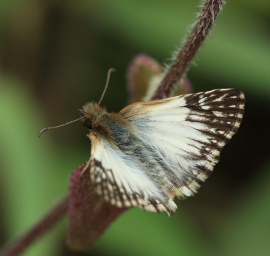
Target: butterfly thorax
{"points": [[100, 122]]}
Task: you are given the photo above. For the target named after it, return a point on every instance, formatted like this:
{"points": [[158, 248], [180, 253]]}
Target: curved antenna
{"points": [[107, 83], [54, 127]]}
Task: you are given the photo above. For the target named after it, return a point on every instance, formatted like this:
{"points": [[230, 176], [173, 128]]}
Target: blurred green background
{"points": [[54, 57]]}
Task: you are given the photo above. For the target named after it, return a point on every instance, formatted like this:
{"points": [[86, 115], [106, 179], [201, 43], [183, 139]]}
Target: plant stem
{"points": [[48, 221], [198, 34]]}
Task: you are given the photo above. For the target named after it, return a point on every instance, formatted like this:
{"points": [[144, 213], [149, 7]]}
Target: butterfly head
{"points": [[91, 114]]}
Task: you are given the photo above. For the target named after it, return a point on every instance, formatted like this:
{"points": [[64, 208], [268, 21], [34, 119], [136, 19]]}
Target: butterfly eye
{"points": [[88, 123]]}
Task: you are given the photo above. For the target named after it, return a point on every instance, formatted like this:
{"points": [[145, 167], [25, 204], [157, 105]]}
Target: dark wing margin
{"points": [[221, 111]]}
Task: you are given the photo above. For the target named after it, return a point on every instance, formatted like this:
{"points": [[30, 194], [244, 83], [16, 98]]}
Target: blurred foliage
{"points": [[54, 56]]}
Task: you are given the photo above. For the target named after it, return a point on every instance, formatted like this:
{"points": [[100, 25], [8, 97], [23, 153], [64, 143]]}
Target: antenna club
{"points": [[112, 70], [42, 131]]}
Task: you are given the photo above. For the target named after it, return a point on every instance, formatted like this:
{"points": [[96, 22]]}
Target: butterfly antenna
{"points": [[107, 83], [54, 127]]}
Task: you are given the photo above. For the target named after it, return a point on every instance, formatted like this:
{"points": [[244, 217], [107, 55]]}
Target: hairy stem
{"points": [[39, 229], [198, 34]]}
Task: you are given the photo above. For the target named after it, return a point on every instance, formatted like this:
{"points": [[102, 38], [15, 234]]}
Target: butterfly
{"points": [[151, 152]]}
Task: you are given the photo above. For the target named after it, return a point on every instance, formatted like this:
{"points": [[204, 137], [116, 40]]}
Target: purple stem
{"points": [[48, 221], [198, 34]]}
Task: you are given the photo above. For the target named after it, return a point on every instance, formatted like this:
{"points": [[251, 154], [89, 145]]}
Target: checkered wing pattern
{"points": [[168, 148]]}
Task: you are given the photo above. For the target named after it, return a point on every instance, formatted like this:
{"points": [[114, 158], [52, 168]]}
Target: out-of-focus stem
{"points": [[48, 221], [182, 60]]}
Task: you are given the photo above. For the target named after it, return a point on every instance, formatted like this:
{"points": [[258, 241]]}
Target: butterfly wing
{"points": [[164, 148], [119, 178], [188, 132]]}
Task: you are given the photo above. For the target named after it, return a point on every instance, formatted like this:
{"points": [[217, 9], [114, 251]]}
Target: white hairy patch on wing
{"points": [[125, 172], [164, 128], [128, 177]]}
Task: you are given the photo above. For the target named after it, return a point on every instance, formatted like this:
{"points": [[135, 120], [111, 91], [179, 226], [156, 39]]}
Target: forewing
{"points": [[188, 132]]}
